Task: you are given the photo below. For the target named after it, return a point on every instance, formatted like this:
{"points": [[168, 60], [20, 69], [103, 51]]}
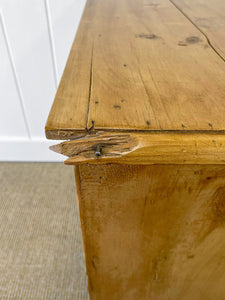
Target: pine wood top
{"points": [[144, 66]]}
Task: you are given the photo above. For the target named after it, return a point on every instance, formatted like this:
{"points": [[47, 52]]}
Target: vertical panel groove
{"points": [[9, 51], [51, 40]]}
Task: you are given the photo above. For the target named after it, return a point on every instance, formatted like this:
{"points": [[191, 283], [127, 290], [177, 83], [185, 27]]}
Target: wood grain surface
{"points": [[144, 148], [144, 87], [143, 65], [208, 18], [153, 232]]}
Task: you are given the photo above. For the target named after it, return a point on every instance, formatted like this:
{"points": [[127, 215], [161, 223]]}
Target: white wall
{"points": [[35, 40]]}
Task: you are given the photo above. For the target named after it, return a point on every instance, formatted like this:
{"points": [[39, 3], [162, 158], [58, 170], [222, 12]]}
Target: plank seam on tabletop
{"points": [[9, 51], [51, 41], [196, 26], [90, 88]]}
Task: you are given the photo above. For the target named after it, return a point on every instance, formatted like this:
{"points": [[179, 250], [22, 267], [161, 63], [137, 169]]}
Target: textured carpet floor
{"points": [[41, 255]]}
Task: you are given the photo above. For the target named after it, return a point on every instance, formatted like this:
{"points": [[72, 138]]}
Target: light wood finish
{"points": [[140, 65], [153, 232], [209, 17], [142, 100], [145, 148], [70, 107]]}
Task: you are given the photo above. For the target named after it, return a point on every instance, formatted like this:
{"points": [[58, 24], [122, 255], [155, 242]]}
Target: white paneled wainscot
{"points": [[35, 40]]}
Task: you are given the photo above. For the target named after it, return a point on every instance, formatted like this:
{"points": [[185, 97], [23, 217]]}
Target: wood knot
{"points": [[219, 202], [147, 36], [192, 39]]}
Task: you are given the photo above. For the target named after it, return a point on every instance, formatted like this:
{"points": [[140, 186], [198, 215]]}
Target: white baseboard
{"points": [[36, 150]]}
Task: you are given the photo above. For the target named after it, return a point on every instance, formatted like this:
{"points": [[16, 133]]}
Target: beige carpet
{"points": [[41, 254]]}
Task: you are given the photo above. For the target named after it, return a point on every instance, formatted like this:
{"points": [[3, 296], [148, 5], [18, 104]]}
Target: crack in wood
{"points": [[144, 148], [97, 146], [90, 87], [199, 29]]}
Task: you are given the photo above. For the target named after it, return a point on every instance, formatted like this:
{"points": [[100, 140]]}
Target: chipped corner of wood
{"points": [[96, 148], [56, 148], [142, 148]]}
